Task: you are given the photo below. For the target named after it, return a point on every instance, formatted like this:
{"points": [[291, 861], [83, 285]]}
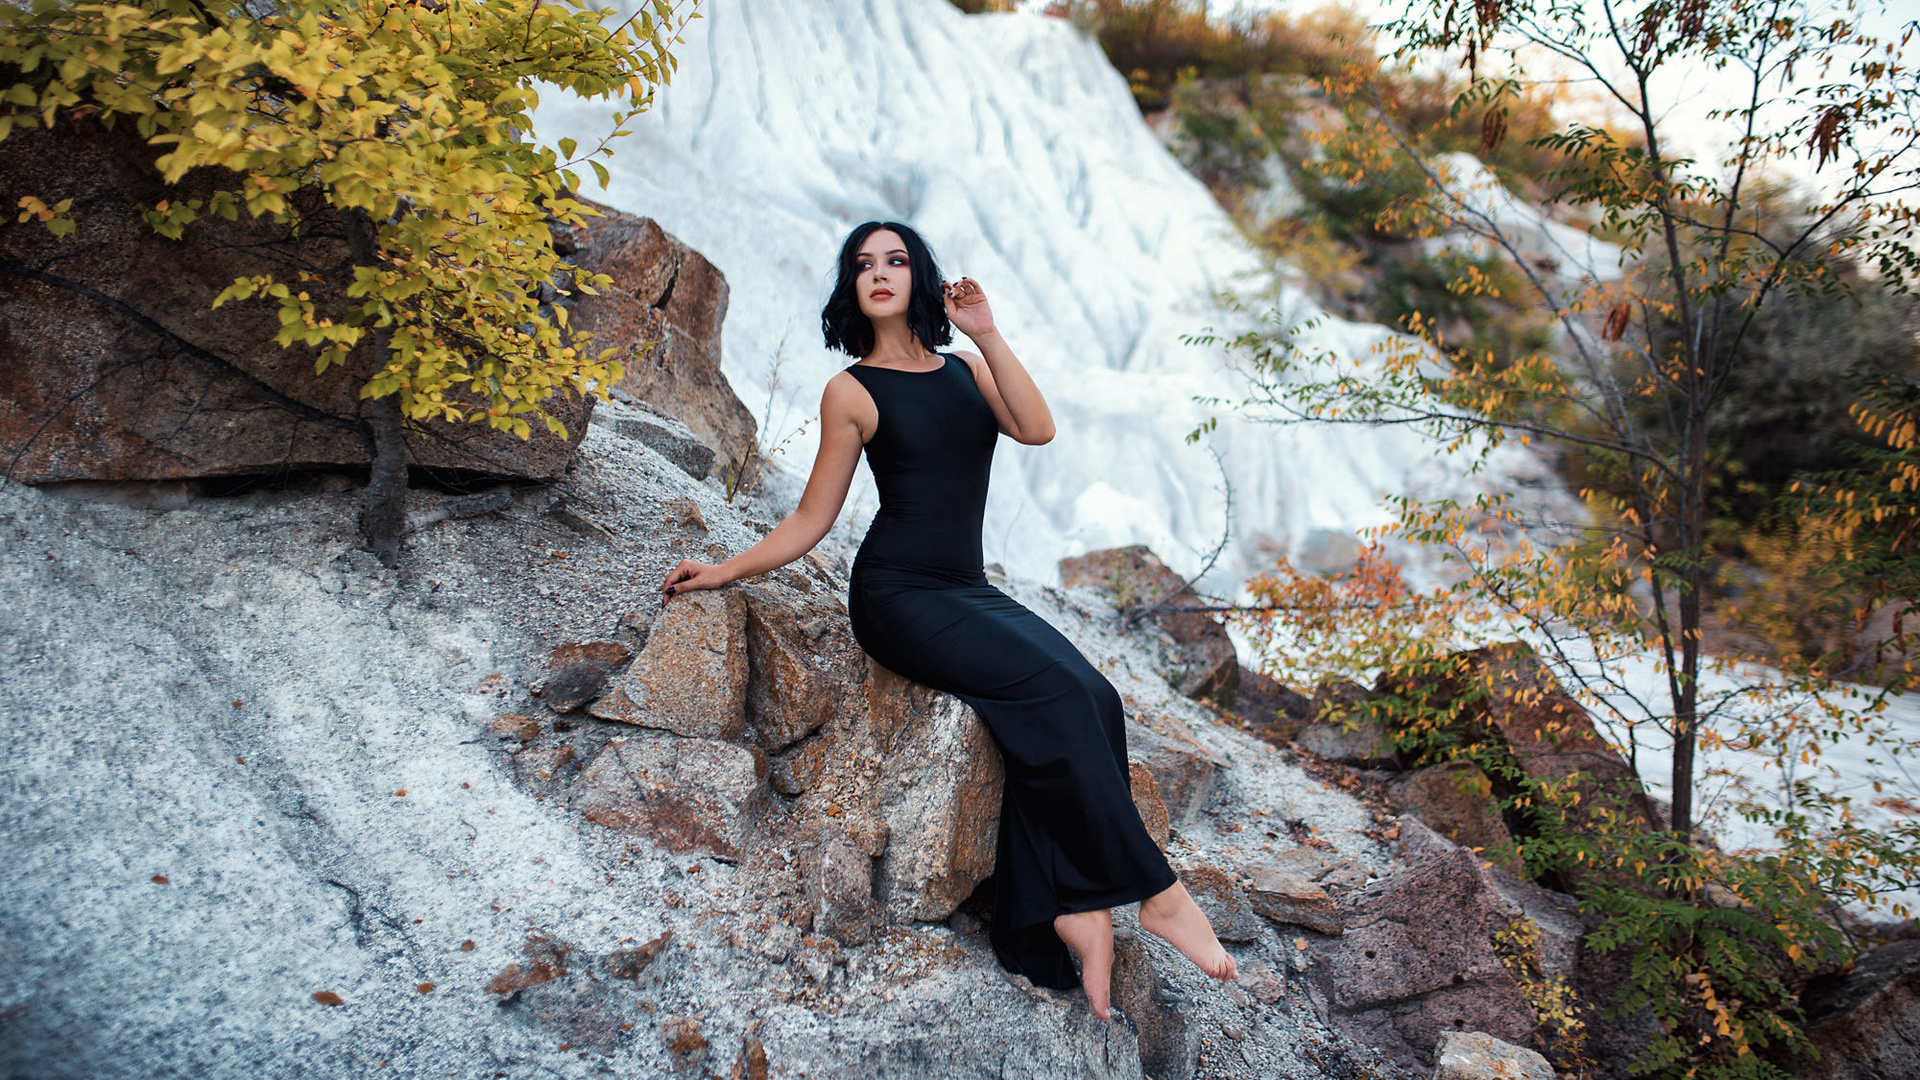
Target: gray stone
{"points": [[1456, 800], [1141, 585], [1865, 1024], [1475, 1055], [1363, 743], [1289, 900], [1418, 960], [1167, 1042], [840, 886], [670, 438], [687, 795]]}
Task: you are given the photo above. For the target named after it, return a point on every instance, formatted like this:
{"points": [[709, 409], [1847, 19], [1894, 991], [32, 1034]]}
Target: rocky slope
{"points": [[270, 811]]}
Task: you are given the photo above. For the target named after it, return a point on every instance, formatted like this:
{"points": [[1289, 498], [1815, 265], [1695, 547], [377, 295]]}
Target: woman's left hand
{"points": [[967, 308]]}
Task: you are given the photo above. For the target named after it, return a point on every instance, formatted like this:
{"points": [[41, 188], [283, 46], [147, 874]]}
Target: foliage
{"points": [[413, 121], [1717, 259], [1871, 514]]}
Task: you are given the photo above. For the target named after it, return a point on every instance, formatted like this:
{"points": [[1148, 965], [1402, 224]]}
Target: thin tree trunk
{"points": [[383, 505]]}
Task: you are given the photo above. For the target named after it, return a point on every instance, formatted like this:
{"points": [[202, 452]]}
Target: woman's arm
{"points": [[848, 418], [1003, 380]]}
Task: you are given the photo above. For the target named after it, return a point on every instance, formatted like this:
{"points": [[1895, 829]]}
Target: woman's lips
{"points": [[880, 294]]}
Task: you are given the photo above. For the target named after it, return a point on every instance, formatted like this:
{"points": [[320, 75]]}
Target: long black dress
{"points": [[1070, 837]]}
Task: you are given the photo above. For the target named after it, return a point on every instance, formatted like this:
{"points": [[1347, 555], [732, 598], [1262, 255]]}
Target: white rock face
{"points": [[1014, 147]]}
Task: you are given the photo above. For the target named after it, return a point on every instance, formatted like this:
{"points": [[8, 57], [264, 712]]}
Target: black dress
{"points": [[1070, 837]]}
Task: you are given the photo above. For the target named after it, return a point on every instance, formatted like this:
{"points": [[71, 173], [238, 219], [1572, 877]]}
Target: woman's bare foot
{"points": [[1090, 935], [1174, 916]]}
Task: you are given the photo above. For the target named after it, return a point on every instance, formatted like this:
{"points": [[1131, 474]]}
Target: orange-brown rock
{"points": [[544, 764], [1222, 901], [546, 961], [802, 662], [686, 795], [1146, 799], [690, 677], [665, 311], [939, 795], [1141, 584], [115, 366]]}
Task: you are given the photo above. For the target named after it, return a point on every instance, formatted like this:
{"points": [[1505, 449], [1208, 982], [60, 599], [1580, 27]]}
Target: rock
{"points": [[801, 769], [1166, 1042], [1474, 1055], [668, 304], [546, 961], [633, 419], [1258, 978], [545, 764], [1220, 899], [685, 513], [684, 1042], [1328, 551], [1456, 800], [139, 378], [686, 795], [1418, 960], [840, 886], [521, 728], [632, 963], [1336, 875], [1865, 1023], [1419, 844], [1362, 743], [1146, 799], [577, 670], [1140, 583], [578, 1011], [1290, 900], [801, 661], [1186, 772], [1273, 711], [690, 677], [753, 1060], [1512, 702], [939, 796]]}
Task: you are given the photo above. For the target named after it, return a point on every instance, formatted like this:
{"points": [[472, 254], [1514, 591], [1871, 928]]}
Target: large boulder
{"points": [[1141, 585], [1418, 960], [1865, 1024], [1455, 799], [664, 312], [1508, 702], [938, 793], [115, 366], [802, 659]]}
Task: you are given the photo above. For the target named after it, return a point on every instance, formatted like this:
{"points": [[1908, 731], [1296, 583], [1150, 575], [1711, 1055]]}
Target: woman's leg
{"points": [[1173, 915], [1090, 935]]}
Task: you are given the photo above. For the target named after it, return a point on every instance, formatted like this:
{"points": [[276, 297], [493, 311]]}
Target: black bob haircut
{"points": [[848, 329]]}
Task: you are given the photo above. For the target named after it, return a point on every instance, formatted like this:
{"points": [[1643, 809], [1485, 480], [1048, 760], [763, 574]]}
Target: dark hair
{"points": [[848, 329]]}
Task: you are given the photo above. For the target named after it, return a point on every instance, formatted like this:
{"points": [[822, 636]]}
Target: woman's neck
{"points": [[895, 346]]}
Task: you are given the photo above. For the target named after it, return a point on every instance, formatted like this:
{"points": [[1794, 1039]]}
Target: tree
{"points": [[412, 123], [1634, 398]]}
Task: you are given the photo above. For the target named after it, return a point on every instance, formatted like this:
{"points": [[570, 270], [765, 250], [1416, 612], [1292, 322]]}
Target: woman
{"points": [[1072, 845]]}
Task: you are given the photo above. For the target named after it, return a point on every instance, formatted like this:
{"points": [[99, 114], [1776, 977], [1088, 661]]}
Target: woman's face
{"points": [[882, 279]]}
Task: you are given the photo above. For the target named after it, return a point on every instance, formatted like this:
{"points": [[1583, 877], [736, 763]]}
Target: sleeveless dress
{"points": [[1070, 837]]}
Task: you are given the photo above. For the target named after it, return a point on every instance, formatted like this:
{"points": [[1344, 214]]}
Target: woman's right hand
{"points": [[690, 576]]}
